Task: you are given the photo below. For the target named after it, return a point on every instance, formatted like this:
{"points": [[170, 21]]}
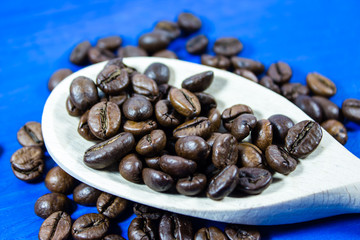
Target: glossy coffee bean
{"points": [[147, 212], [224, 151], [198, 82], [246, 74], [113, 237], [152, 143], [230, 114], [137, 108], [214, 117], [188, 22], [143, 229], [171, 29], [336, 129], [113, 80], [267, 82], [119, 98], [223, 183], [96, 55], [210, 140], [177, 166], [303, 138], [50, 203], [56, 226], [221, 62], [57, 77], [27, 163], [262, 134], [248, 64], [192, 147], [131, 51], [210, 233], [207, 102], [329, 109], [157, 180], [71, 109], [250, 156], [159, 72], [320, 85], [253, 180], [280, 160], [83, 93], [57, 180], [144, 85], [280, 125], [30, 135], [197, 44], [310, 107], [84, 194], [139, 128], [292, 90], [165, 54], [79, 53], [108, 152], [185, 102], [242, 126], [153, 41], [111, 206], [280, 72], [238, 232], [227, 46], [351, 109], [192, 185], [166, 114], [153, 162], [164, 90], [175, 226], [130, 168], [200, 126], [110, 43], [90, 226], [84, 129]]}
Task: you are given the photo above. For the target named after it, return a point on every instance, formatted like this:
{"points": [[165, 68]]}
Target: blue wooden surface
{"points": [[37, 37]]}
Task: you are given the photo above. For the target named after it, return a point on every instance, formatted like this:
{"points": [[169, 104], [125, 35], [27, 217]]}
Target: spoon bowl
{"points": [[324, 184]]}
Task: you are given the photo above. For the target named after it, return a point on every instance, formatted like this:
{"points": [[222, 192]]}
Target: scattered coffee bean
{"points": [[230, 114], [110, 43], [56, 226], [137, 108], [130, 168], [267, 82], [176, 166], [198, 82], [320, 85], [84, 129], [210, 233], [329, 109], [30, 135], [207, 102], [113, 80], [96, 55], [159, 72], [242, 126], [71, 109], [165, 54], [144, 85], [131, 51], [250, 156], [143, 228], [280, 160], [57, 180], [227, 46], [224, 151], [139, 129], [175, 226], [238, 232], [147, 212], [253, 180], [153, 42], [188, 22], [57, 77], [152, 143], [50, 203], [83, 93], [157, 180], [310, 107], [292, 90], [79, 54], [246, 74], [90, 226], [280, 72], [192, 147], [262, 134], [223, 183], [166, 114], [192, 185], [185, 102], [200, 126], [111, 206], [248, 64], [197, 44], [336, 129], [221, 62], [280, 125], [351, 109], [27, 163], [84, 194], [171, 29]]}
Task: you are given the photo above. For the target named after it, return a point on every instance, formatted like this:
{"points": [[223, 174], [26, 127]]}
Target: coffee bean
{"points": [[110, 43], [198, 82], [171, 29], [56, 226], [310, 107], [329, 109], [106, 153], [152, 143], [119, 98], [143, 229], [111, 206], [221, 62], [351, 109], [250, 156], [96, 55], [50, 203], [137, 108], [210, 141], [57, 180], [210, 233], [165, 54], [177, 166], [200, 126], [164, 90], [27, 163], [188, 22], [86, 195], [224, 151], [292, 90], [83, 128], [303, 138], [246, 74], [130, 168], [192, 147], [320, 85], [267, 82], [157, 180], [280, 160], [253, 180], [242, 126], [166, 114], [159, 72], [147, 212], [207, 102], [174, 226], [113, 237], [280, 72], [248, 64], [280, 125], [227, 46], [197, 44], [153, 162], [57, 77], [79, 54], [262, 134], [131, 51], [144, 85], [336, 129], [90, 226], [139, 129], [230, 114], [83, 93], [30, 135], [185, 102], [153, 41], [238, 232], [112, 80], [191, 185], [71, 109]]}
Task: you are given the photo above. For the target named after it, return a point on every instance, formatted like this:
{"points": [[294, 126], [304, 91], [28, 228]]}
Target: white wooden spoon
{"points": [[326, 183]]}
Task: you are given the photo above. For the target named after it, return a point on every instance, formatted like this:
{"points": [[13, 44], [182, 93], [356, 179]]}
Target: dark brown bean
{"points": [[292, 90], [221, 62], [310, 107], [27, 163], [223, 183], [267, 82], [83, 93], [238, 232], [248, 64], [227, 46], [57, 180], [131, 51], [153, 41], [139, 129], [90, 226], [144, 85], [210, 141], [165, 54], [152, 143], [30, 135], [214, 117], [193, 148], [71, 109], [210, 233], [207, 102], [96, 55], [110, 43], [329, 109], [130, 168], [79, 53], [336, 129], [171, 29], [242, 125], [166, 114], [262, 134], [200, 126], [280, 125], [250, 156], [253, 180], [320, 85], [147, 212], [86, 195], [157, 180], [198, 82], [174, 226], [137, 108], [280, 160], [57, 77], [192, 185], [56, 226], [231, 113], [185, 102], [84, 129], [111, 206], [143, 229], [280, 72], [113, 80], [159, 72], [177, 166], [197, 44], [224, 151], [351, 109], [246, 74], [188, 22], [50, 203]]}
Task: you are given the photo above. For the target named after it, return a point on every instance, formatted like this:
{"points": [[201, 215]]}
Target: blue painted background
{"points": [[37, 37]]}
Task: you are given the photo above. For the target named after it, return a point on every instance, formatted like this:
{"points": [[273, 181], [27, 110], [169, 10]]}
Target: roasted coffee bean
{"points": [[110, 43], [329, 109], [207, 102], [79, 54], [137, 108], [113, 80], [280, 125], [71, 109], [104, 119], [197, 44], [56, 226], [83, 93], [188, 22], [143, 229], [280, 72], [185, 102], [227, 46], [250, 156], [96, 55], [164, 90], [50, 203], [223, 183], [57, 180], [351, 109], [210, 141], [221, 62], [130, 168], [175, 226], [214, 117], [147, 212], [171, 29], [90, 226], [157, 180], [267, 82], [253, 180], [144, 85], [230, 114], [193, 148], [248, 64], [27, 163], [153, 41], [224, 151], [242, 125], [310, 107], [262, 134], [336, 129], [320, 85], [30, 135], [118, 99], [165, 54], [152, 143], [198, 82], [153, 162], [84, 129], [280, 160], [177, 166], [57, 77], [106, 153], [159, 72], [166, 114], [292, 90], [303, 138], [131, 51], [113, 237], [200, 126], [86, 195], [111, 206], [210, 233], [191, 185], [140, 128], [246, 74], [238, 232]]}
